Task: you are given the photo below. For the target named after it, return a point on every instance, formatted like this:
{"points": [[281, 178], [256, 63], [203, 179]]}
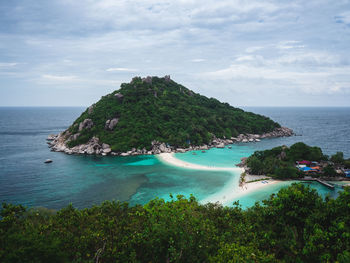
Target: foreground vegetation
{"points": [[296, 225], [279, 162], [163, 110]]}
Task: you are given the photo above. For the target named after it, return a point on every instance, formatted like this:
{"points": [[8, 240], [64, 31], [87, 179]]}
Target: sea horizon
{"points": [[239, 106]]}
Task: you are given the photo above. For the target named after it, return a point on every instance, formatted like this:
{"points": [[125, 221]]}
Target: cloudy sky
{"points": [[246, 53]]}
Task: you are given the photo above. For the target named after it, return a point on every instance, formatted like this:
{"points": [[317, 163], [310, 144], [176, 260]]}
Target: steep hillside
{"points": [[159, 109]]}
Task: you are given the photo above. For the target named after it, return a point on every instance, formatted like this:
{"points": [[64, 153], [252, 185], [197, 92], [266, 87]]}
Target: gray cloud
{"points": [[244, 52]]}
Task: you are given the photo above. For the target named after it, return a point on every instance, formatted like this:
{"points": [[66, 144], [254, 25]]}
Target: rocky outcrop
{"points": [[119, 96], [86, 124], [74, 137], [91, 109], [94, 146], [243, 162], [106, 148], [110, 124], [148, 80], [278, 132], [51, 137], [159, 147], [220, 145], [167, 78]]}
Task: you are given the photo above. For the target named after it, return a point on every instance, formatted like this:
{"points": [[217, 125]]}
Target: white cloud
{"points": [[310, 58], [245, 58], [305, 72], [290, 44], [122, 69], [59, 77], [253, 49], [197, 60], [8, 65], [280, 47]]}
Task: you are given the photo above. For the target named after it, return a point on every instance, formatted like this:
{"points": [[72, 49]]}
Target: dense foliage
{"points": [[165, 111], [280, 161], [296, 225]]}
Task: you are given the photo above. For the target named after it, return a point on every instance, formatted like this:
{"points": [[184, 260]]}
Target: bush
{"points": [[296, 225]]}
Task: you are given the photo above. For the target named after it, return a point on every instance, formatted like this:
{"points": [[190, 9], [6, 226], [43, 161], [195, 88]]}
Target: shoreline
{"points": [[58, 143], [169, 158], [231, 190], [227, 196]]}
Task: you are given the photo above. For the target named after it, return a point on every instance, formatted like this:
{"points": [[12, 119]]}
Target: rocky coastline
{"points": [[58, 143]]}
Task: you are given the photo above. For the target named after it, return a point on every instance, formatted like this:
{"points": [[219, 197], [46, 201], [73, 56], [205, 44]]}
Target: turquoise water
{"points": [[264, 193], [218, 157], [87, 180], [228, 157]]}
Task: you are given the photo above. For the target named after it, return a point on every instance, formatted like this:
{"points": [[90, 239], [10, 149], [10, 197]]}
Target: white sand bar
{"points": [[231, 191], [169, 158]]}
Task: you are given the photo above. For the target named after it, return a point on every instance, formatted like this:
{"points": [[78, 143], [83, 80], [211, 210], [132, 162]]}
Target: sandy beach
{"points": [[169, 158], [231, 191]]}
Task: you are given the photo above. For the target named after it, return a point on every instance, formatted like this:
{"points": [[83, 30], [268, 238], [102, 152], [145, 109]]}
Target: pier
{"points": [[329, 185]]}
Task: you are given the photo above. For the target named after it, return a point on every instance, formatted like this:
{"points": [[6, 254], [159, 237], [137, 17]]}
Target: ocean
{"points": [[88, 180]]}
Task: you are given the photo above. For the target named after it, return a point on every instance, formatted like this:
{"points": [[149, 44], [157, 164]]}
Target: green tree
{"points": [[235, 253], [338, 158], [329, 171], [286, 172], [256, 166]]}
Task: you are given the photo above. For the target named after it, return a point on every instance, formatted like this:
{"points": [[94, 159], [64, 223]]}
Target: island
{"points": [[155, 115], [297, 162]]}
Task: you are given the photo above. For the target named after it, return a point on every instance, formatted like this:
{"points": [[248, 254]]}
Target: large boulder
{"points": [[107, 150], [110, 124], [163, 148], [148, 80], [167, 78], [90, 150], [74, 136], [105, 146], [86, 124], [119, 96], [203, 147]]}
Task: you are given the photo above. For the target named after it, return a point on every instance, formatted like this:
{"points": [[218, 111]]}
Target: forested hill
{"points": [[160, 109]]}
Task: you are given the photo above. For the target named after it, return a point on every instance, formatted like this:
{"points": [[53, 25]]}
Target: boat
{"points": [[48, 161]]}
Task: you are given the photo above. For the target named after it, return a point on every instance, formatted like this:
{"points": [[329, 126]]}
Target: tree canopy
{"points": [[294, 225], [163, 110], [280, 161]]}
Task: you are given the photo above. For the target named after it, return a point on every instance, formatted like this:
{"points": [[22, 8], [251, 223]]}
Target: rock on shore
{"points": [[58, 143]]}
